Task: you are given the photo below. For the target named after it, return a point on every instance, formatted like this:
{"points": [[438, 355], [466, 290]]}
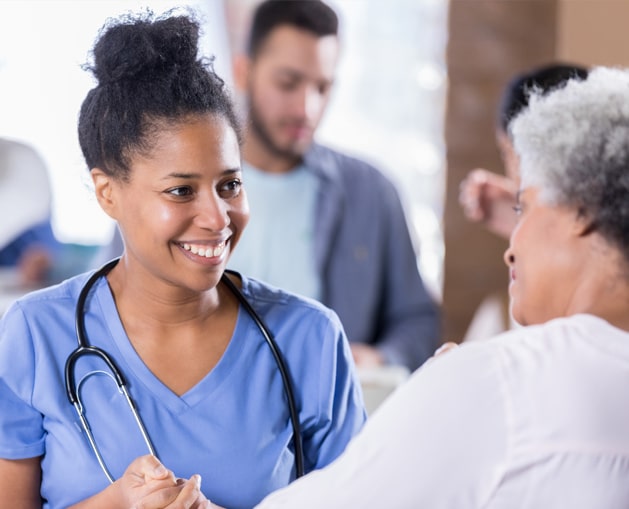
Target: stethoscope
{"points": [[85, 349]]}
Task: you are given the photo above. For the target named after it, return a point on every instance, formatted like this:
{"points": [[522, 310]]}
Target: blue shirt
{"points": [[363, 258], [278, 244], [233, 427]]}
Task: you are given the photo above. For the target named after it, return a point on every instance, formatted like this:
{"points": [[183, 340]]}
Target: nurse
{"points": [[160, 137]]}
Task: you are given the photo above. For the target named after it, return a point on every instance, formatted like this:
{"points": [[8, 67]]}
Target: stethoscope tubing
{"points": [[284, 373], [84, 349]]}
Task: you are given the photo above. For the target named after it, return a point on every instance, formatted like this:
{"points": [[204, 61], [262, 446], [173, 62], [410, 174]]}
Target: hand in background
{"points": [[489, 198], [446, 347], [34, 265], [366, 356]]}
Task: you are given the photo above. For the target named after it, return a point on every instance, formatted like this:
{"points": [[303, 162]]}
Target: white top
{"points": [[25, 195], [534, 418], [277, 246]]}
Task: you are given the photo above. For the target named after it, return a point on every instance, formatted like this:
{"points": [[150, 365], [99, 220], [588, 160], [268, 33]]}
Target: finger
{"points": [[149, 467], [203, 503], [160, 499], [189, 495], [446, 347], [470, 197], [472, 207]]}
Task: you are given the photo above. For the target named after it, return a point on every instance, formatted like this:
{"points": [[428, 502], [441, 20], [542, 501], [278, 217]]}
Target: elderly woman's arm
{"points": [[434, 443]]}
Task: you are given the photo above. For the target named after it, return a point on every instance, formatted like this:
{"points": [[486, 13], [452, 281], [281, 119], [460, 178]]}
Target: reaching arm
{"points": [[489, 198], [439, 441]]}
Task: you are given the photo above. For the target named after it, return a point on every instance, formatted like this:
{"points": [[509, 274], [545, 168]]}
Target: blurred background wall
{"points": [[490, 41]]}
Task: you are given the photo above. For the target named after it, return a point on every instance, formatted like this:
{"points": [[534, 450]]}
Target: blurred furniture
{"points": [[379, 382]]}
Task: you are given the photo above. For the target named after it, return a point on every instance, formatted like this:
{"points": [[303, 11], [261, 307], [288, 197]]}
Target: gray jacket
{"points": [[368, 267]]}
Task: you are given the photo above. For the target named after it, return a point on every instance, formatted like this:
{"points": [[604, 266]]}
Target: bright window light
{"points": [[43, 44]]}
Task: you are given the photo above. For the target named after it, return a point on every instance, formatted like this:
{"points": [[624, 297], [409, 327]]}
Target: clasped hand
{"points": [[147, 484]]}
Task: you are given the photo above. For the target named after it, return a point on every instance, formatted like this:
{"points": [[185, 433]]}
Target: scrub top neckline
{"points": [[130, 362]]}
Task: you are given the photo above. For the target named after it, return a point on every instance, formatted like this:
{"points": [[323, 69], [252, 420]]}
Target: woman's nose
{"points": [[212, 213], [509, 257]]}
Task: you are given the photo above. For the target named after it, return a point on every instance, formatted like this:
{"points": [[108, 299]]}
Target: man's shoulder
{"points": [[343, 165]]}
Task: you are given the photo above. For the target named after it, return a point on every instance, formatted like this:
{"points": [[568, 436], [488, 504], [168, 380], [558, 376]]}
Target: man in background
{"points": [[323, 224]]}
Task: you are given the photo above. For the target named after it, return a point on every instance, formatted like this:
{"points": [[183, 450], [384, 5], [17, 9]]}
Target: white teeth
{"points": [[205, 251]]}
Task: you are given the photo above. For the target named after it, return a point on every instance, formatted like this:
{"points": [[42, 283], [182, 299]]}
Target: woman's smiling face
{"points": [[183, 208]]}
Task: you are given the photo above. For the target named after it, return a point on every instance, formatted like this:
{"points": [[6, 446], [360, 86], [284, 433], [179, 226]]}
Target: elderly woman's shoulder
{"points": [[565, 340]]}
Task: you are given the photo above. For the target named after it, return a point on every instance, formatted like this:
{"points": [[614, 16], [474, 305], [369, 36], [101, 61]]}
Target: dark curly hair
{"points": [[149, 77]]}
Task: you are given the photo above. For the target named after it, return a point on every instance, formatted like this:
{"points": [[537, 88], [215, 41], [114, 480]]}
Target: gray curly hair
{"points": [[573, 145]]}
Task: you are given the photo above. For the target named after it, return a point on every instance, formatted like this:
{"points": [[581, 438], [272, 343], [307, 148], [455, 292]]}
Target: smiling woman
{"points": [[181, 184], [184, 339]]}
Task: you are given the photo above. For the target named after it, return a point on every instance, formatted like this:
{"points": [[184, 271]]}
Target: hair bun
{"points": [[138, 47]]}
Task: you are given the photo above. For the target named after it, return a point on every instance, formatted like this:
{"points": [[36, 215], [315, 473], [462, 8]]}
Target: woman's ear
{"points": [[240, 69], [584, 224], [104, 187]]}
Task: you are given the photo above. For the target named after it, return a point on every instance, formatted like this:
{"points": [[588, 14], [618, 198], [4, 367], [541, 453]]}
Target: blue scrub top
{"points": [[233, 427]]}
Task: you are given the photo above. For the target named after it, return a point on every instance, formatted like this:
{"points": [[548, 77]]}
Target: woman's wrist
{"points": [[109, 497]]}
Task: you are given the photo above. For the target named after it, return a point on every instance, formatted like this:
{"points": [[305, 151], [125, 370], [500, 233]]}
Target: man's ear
{"points": [[105, 189], [240, 68]]}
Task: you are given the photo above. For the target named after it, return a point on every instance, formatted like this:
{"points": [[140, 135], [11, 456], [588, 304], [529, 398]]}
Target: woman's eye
{"points": [[231, 188], [180, 191], [517, 209]]}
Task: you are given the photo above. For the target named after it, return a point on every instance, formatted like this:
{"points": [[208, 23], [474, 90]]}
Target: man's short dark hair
{"points": [[312, 15], [515, 96]]}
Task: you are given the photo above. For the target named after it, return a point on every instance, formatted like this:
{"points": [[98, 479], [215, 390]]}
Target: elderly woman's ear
{"points": [[584, 223]]}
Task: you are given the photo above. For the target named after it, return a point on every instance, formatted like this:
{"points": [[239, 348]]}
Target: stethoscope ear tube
{"points": [[84, 349], [281, 364]]}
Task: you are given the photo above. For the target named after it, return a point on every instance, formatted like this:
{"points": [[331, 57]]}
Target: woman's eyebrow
{"points": [[189, 176]]}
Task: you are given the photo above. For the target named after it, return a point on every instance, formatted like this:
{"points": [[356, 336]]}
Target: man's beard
{"points": [[293, 152]]}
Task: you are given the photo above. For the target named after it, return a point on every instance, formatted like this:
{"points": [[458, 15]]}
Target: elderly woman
{"points": [[537, 417]]}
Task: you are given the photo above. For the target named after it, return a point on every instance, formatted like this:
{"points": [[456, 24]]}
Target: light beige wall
{"points": [[594, 32]]}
